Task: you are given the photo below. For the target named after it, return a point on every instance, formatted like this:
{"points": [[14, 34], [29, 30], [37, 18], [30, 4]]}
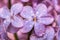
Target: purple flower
{"points": [[10, 15], [41, 18]]}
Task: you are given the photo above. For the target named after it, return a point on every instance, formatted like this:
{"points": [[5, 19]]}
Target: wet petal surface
{"points": [[39, 29], [27, 12], [58, 34], [17, 22], [16, 8], [24, 0], [28, 25], [49, 33], [4, 12], [58, 20], [34, 37], [41, 10], [46, 20]]}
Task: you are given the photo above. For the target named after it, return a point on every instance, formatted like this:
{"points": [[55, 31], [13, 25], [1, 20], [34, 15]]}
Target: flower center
{"points": [[34, 19]]}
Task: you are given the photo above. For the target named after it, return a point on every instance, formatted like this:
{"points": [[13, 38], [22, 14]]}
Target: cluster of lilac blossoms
{"points": [[25, 18], [39, 14]]}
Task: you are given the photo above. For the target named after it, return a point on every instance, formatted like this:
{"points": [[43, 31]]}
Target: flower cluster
{"points": [[38, 17]]}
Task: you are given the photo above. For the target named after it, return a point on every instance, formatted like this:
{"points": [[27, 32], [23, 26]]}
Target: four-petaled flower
{"points": [[37, 18], [10, 15]]}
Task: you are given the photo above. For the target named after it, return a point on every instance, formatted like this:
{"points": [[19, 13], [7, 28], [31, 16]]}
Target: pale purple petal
{"points": [[58, 20], [55, 2], [58, 34], [17, 22], [4, 12], [28, 25], [7, 22], [27, 12], [16, 8], [46, 20], [4, 36], [41, 10], [50, 33], [34, 37], [24, 0], [39, 29], [1, 29]]}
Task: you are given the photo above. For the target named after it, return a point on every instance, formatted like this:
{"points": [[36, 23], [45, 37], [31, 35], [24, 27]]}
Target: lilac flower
{"points": [[41, 18], [10, 15], [25, 18]]}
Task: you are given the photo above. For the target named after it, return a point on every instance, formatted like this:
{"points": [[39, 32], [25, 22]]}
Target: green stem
{"points": [[15, 35]]}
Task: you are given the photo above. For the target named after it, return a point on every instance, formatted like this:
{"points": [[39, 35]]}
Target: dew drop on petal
{"points": [[17, 22], [39, 29], [16, 8], [28, 25], [27, 12], [41, 10]]}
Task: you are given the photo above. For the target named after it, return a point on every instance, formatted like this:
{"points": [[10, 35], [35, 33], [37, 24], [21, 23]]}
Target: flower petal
{"points": [[4, 36], [16, 8], [28, 25], [50, 33], [34, 37], [41, 10], [58, 20], [1, 29], [24, 0], [27, 12], [4, 12], [58, 34], [7, 22], [17, 22], [46, 20], [39, 29]]}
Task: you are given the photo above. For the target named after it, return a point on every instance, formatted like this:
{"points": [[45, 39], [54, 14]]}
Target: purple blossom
{"points": [[21, 19]]}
